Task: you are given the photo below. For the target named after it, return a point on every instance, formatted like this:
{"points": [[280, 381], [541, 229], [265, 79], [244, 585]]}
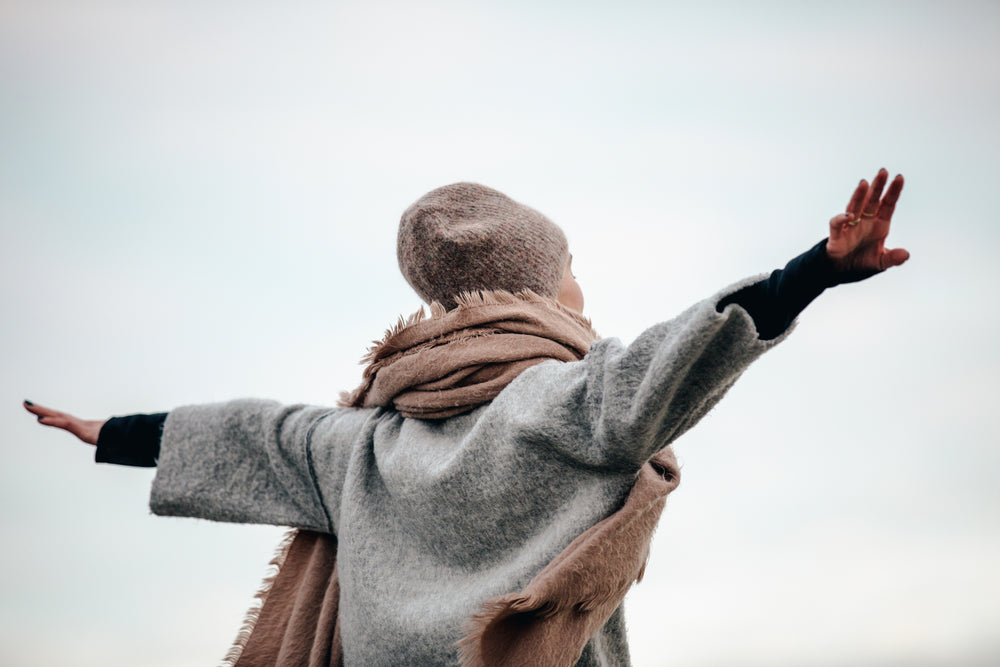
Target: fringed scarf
{"points": [[433, 368]]}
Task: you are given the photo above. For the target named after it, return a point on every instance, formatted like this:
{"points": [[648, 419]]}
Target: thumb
{"points": [[894, 257]]}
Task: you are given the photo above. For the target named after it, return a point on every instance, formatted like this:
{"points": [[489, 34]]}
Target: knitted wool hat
{"points": [[467, 237]]}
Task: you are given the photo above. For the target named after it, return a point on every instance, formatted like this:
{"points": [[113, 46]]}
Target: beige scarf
{"points": [[437, 367]]}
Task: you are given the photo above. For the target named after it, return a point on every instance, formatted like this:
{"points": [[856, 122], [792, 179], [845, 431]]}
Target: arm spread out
{"points": [[246, 461], [622, 404], [250, 461]]}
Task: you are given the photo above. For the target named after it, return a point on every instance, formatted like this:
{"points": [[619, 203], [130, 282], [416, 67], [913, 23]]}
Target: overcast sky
{"points": [[198, 201]]}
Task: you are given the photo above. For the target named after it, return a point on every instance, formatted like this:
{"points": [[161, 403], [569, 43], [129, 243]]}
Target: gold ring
{"points": [[853, 222], [868, 215]]}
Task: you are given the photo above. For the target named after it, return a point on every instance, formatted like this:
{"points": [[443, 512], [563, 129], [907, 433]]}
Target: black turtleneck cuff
{"points": [[131, 441], [778, 299]]}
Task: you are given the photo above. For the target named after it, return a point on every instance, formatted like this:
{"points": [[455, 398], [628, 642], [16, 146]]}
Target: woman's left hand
{"points": [[857, 237]]}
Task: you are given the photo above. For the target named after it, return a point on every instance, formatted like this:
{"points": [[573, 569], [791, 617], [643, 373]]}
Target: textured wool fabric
{"points": [[454, 361], [304, 593], [433, 368], [466, 237], [549, 623], [436, 517]]}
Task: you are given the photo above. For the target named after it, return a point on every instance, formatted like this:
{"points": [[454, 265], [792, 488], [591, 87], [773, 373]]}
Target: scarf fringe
{"points": [[474, 649], [505, 298], [464, 301], [252, 614], [493, 614], [576, 592]]}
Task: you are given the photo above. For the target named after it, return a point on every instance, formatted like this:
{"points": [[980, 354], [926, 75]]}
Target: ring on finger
{"points": [[867, 215]]}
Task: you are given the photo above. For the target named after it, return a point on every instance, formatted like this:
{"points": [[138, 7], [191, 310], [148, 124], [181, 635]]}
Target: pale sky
{"points": [[198, 202]]}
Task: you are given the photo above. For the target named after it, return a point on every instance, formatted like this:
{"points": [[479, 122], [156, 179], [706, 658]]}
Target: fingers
{"points": [[840, 219], [50, 417], [58, 420], [841, 223], [888, 204], [854, 205], [871, 204], [41, 411], [86, 430], [857, 237]]}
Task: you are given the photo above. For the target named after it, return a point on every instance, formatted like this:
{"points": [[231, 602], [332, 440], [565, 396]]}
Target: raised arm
{"points": [[855, 250], [621, 404]]}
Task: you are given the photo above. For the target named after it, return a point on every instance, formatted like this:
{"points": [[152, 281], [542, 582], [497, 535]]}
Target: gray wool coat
{"points": [[435, 517]]}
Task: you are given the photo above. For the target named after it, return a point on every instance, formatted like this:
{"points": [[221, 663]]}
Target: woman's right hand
{"points": [[85, 429], [857, 237]]}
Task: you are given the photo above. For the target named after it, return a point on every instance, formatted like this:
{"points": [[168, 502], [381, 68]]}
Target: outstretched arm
{"points": [[855, 250], [243, 461]]}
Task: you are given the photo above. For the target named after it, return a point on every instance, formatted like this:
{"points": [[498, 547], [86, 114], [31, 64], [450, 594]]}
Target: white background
{"points": [[198, 201]]}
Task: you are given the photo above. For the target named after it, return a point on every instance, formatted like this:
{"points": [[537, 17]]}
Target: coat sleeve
{"points": [[621, 404], [248, 461]]}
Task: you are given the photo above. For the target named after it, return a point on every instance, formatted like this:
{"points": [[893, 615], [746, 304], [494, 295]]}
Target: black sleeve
{"points": [[131, 441], [775, 301]]}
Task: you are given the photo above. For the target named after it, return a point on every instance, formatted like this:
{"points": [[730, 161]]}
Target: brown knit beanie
{"points": [[467, 237]]}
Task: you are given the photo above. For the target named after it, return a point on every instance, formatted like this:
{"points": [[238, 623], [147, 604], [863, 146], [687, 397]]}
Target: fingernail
{"points": [[40, 418], [27, 402]]}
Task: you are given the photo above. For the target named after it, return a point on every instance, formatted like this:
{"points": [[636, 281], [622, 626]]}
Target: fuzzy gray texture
{"points": [[435, 517]]}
